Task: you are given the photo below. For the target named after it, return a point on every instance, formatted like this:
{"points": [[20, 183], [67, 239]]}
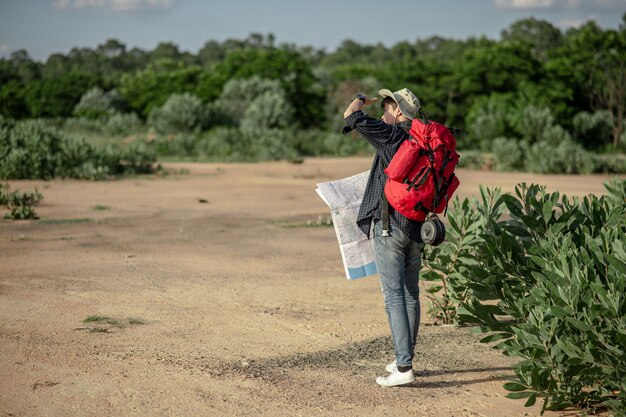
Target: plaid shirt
{"points": [[386, 139]]}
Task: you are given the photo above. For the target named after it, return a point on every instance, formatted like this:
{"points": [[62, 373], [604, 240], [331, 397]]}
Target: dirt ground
{"points": [[209, 296]]}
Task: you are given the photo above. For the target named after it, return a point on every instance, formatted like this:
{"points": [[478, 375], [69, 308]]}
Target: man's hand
{"points": [[357, 104]]}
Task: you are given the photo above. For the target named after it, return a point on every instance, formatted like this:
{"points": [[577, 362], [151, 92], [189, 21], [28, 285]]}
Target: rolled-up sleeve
{"points": [[376, 132], [351, 121]]}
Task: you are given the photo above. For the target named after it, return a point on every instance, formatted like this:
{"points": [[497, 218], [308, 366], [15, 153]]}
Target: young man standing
{"points": [[397, 245]]}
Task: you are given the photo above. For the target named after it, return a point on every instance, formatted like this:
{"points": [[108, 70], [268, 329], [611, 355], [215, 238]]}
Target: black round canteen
{"points": [[433, 231]]}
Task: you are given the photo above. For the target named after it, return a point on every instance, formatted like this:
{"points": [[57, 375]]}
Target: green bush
{"points": [[472, 159], [182, 145], [223, 143], [270, 144], [121, 124], [113, 124], [181, 113], [487, 120], [445, 267], [95, 103], [548, 282], [336, 144], [593, 130], [239, 94], [137, 158], [508, 154], [555, 135], [610, 164], [29, 150], [270, 110], [532, 122], [20, 205], [616, 189], [565, 158]]}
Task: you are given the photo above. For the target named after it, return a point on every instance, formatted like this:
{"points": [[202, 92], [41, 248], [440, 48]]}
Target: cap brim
{"points": [[403, 109], [387, 93]]}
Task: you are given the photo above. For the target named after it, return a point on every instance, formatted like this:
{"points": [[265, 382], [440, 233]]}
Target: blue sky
{"points": [[43, 27]]}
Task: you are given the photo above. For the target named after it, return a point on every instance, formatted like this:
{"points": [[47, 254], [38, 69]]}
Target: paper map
{"points": [[344, 199]]}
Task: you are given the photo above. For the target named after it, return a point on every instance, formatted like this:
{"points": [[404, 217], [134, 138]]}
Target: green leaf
{"points": [[616, 263], [514, 206], [468, 261], [531, 400], [532, 222], [519, 395], [489, 309], [542, 263], [559, 312], [473, 227], [454, 224], [434, 289], [494, 337], [516, 230], [547, 210], [515, 386], [568, 348], [584, 327]]}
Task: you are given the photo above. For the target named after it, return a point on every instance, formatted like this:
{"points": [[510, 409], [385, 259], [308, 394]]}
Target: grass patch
{"points": [[101, 319], [321, 221], [61, 221], [105, 323], [100, 207]]}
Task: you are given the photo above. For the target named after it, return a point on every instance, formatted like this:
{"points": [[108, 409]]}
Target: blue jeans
{"points": [[398, 259]]}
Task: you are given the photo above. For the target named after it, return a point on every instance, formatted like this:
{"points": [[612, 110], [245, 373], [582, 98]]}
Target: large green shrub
{"points": [[149, 88], [548, 282], [593, 130], [472, 159], [610, 164], [28, 150], [445, 267], [181, 113], [567, 157], [113, 124], [508, 154], [239, 94], [270, 110], [224, 143], [487, 120], [336, 144], [270, 144], [532, 122], [96, 103], [120, 124], [20, 205]]}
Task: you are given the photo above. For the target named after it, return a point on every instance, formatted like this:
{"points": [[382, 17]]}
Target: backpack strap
{"points": [[385, 214], [418, 180], [423, 117]]}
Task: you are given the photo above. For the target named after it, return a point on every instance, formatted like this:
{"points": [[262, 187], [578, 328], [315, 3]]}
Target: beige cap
{"points": [[407, 101]]}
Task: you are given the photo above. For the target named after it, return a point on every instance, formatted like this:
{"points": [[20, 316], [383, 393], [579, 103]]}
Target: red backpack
{"points": [[420, 175]]}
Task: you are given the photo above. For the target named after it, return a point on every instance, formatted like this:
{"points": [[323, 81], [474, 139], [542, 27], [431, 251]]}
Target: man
{"points": [[397, 242]]}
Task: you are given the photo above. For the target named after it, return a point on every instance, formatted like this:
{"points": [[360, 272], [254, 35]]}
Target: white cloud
{"points": [[4, 49], [576, 22], [115, 5], [573, 22], [562, 4], [523, 4]]}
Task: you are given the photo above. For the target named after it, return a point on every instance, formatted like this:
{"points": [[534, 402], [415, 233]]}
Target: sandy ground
{"points": [[228, 307]]}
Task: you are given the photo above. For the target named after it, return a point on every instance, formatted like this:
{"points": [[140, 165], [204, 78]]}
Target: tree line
{"points": [[572, 80]]}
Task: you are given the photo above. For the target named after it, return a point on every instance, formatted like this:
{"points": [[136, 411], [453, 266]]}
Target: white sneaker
{"points": [[396, 378], [391, 367]]}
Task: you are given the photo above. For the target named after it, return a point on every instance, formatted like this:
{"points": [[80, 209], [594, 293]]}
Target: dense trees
{"points": [[465, 83]]}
